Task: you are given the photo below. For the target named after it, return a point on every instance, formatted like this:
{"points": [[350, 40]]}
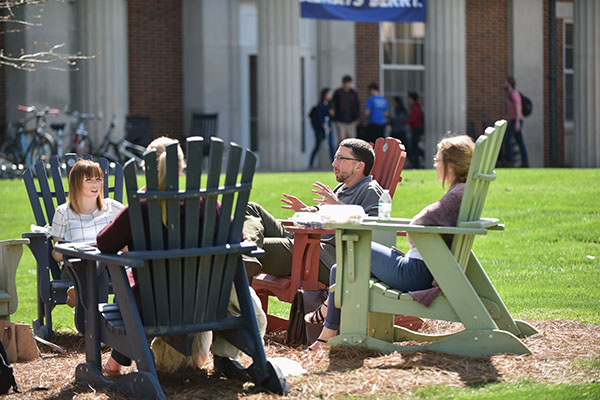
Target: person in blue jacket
{"points": [[376, 109]]}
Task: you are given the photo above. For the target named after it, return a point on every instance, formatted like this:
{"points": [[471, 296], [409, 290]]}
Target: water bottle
{"points": [[385, 205]]}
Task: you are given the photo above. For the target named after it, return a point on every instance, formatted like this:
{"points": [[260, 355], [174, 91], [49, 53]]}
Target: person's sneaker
{"points": [[229, 368], [71, 297]]}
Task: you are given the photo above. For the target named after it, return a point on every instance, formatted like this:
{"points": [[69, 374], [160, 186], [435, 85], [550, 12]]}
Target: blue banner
{"points": [[365, 10]]}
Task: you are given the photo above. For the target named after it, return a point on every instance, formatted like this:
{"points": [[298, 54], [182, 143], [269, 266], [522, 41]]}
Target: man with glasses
{"points": [[352, 165]]}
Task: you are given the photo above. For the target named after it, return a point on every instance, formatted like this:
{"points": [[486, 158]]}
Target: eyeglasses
{"points": [[436, 160], [340, 158]]}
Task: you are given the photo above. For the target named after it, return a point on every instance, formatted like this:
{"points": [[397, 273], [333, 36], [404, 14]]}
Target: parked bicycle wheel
{"points": [[43, 148]]}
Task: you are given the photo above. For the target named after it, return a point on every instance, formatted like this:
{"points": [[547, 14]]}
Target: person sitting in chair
{"points": [[117, 236], [352, 165], [408, 272], [85, 213]]}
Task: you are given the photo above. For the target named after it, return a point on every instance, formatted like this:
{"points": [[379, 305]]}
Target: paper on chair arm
{"points": [[342, 213], [329, 213], [47, 229], [307, 220]]}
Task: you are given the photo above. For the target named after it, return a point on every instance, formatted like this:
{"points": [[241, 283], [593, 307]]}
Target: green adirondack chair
{"points": [[467, 295], [10, 254]]}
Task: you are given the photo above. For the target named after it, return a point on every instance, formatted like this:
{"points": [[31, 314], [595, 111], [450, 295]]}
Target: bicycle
{"points": [[122, 150], [82, 141], [24, 147], [59, 128]]}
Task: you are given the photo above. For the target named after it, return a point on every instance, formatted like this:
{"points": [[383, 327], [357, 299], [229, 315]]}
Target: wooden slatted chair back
{"points": [[175, 289], [390, 156], [481, 173], [205, 125]]}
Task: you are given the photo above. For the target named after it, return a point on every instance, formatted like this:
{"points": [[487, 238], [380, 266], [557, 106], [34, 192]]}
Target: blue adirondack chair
{"points": [[51, 287], [184, 286], [467, 294]]}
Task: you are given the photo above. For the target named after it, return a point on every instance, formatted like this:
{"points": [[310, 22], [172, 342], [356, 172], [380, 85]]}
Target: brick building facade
{"points": [[488, 64], [185, 56], [155, 64]]}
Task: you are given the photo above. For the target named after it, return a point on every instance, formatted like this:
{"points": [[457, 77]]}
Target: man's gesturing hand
{"points": [[327, 195], [293, 203]]}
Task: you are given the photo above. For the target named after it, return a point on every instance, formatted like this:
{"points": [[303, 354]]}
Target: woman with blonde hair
{"points": [[408, 272], [117, 235]]}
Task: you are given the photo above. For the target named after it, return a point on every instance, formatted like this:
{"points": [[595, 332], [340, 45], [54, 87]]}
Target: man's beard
{"points": [[340, 177]]}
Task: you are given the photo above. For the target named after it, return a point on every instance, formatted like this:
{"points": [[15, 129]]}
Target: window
{"points": [[568, 67], [403, 59]]}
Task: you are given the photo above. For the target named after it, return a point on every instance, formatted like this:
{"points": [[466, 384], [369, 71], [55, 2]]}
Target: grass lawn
{"points": [[545, 265]]}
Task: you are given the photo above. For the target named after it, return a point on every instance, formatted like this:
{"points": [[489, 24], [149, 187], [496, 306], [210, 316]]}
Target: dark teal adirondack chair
{"points": [[51, 289], [467, 294], [184, 287]]}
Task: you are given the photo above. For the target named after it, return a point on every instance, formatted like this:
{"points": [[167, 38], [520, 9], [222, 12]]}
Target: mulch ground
{"points": [[559, 354]]}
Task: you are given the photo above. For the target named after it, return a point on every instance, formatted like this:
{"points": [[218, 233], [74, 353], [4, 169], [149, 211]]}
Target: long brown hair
{"points": [[82, 170], [455, 151]]}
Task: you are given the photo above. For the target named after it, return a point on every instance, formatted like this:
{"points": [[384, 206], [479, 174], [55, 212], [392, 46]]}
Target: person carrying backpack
{"points": [[514, 107], [320, 119]]}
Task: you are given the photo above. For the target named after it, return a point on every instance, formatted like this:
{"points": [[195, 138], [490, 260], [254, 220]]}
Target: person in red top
{"points": [[515, 123], [415, 121], [117, 235]]}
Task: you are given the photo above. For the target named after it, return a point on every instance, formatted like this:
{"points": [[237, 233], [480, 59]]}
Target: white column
{"points": [[103, 82], [526, 65], [336, 46], [279, 110], [587, 83], [445, 103], [211, 73]]}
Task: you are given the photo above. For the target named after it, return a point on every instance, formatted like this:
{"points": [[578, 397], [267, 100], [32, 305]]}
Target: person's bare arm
{"points": [[293, 203], [58, 257]]}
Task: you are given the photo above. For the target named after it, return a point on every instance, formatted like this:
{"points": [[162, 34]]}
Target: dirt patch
{"points": [[558, 355]]}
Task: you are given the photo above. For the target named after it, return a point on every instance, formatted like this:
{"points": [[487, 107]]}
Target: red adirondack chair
{"points": [[390, 156]]}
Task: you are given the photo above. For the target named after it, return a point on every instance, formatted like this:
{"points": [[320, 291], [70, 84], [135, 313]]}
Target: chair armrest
{"points": [[70, 249], [322, 231], [394, 225], [258, 253], [136, 259], [34, 235], [239, 248], [482, 223], [11, 242]]}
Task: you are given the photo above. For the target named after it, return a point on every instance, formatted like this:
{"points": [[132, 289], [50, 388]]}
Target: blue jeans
{"points": [[320, 136], [398, 271], [510, 132]]}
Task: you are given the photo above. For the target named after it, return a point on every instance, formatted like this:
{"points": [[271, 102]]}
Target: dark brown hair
{"points": [[361, 150]]}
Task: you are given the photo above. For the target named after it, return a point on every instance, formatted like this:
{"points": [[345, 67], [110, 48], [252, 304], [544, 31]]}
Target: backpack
{"points": [[526, 105], [7, 378], [314, 122]]}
